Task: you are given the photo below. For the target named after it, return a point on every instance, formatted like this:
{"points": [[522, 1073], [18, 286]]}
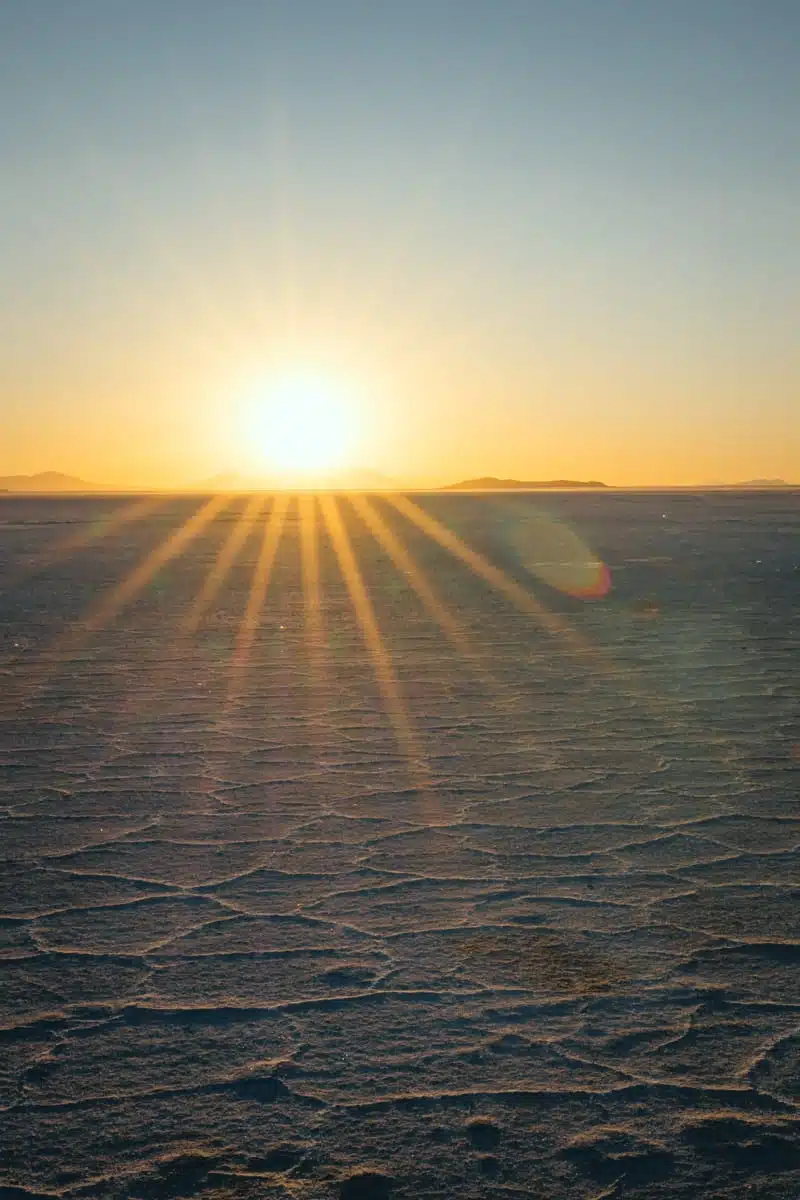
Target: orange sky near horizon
{"points": [[146, 416]]}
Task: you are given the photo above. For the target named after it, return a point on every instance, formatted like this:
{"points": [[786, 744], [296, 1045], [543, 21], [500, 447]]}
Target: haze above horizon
{"points": [[417, 239]]}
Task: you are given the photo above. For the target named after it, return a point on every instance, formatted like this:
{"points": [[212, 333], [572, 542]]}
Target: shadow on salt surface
{"points": [[766, 971], [614, 1154], [747, 1144]]}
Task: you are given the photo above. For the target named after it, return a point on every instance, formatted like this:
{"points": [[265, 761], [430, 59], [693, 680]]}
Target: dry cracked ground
{"points": [[345, 888]]}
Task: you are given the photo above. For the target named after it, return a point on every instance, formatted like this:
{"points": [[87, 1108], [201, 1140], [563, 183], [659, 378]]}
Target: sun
{"points": [[303, 425]]}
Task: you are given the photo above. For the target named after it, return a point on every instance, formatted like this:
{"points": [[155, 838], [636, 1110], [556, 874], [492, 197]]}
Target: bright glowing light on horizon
{"points": [[303, 425]]}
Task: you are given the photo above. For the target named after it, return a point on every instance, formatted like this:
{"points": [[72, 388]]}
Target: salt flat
{"points": [[363, 881]]}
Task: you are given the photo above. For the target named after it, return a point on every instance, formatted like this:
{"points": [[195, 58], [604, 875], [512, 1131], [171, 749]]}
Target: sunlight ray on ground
{"points": [[318, 662], [309, 548], [624, 676], [251, 618], [180, 643], [62, 548], [225, 559], [402, 559], [455, 632], [312, 597], [110, 605], [365, 612], [138, 579], [493, 575]]}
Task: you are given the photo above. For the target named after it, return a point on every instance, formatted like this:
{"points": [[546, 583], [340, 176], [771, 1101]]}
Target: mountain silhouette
{"points": [[46, 481], [761, 483], [490, 483]]}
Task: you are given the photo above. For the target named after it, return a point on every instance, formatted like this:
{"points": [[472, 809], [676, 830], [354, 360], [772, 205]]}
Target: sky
{"points": [[527, 238]]}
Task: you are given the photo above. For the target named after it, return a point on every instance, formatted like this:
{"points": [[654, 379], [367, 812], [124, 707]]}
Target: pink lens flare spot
{"points": [[556, 554]]}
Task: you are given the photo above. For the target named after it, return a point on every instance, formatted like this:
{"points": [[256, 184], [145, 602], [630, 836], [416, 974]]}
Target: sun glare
{"points": [[303, 426]]}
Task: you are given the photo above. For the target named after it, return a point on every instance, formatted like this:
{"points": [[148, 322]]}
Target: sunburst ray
{"points": [[624, 676], [365, 612], [318, 663], [174, 545], [225, 559], [251, 618], [62, 548], [312, 596], [110, 605], [497, 578], [403, 560], [309, 550]]}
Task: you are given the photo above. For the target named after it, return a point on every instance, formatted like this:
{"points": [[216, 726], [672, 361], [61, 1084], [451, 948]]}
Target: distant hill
{"points": [[761, 483], [489, 483], [46, 481], [747, 483]]}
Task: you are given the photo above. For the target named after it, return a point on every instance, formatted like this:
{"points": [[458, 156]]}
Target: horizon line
{"points": [[424, 489]]}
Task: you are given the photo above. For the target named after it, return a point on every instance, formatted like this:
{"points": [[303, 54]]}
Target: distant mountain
{"points": [[747, 483], [46, 481], [489, 483], [761, 483]]}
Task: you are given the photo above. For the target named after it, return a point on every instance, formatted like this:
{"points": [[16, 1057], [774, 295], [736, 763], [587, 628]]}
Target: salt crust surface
{"points": [[249, 951]]}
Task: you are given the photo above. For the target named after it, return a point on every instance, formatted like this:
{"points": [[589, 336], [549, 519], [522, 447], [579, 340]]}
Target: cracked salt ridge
{"points": [[568, 967]]}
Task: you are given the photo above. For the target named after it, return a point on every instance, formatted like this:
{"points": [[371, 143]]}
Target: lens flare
{"points": [[552, 551]]}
